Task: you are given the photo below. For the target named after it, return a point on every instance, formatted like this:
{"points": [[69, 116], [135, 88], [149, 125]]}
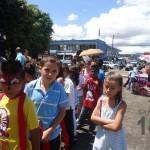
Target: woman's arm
{"points": [[47, 133], [35, 139], [117, 123], [95, 117]]}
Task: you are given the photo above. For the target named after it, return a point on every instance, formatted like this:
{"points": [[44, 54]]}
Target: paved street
{"points": [[136, 122]]}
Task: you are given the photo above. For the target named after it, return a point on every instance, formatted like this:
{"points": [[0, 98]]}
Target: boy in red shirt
{"points": [[92, 91]]}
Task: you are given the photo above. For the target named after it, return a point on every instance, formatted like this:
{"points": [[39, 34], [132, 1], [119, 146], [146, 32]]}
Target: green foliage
{"points": [[25, 25]]}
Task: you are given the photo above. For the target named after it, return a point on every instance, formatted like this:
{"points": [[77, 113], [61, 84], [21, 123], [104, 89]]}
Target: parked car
{"points": [[109, 65], [113, 65], [106, 65]]}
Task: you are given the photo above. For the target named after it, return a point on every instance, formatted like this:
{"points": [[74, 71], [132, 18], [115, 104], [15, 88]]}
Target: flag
{"points": [[99, 32]]}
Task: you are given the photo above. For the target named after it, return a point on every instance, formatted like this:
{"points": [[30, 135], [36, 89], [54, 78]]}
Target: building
{"points": [[112, 53], [73, 46]]}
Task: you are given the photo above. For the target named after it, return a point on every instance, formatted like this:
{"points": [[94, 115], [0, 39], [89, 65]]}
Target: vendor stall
{"points": [[140, 85]]}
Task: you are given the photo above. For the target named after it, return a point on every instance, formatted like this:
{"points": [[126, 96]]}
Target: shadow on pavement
{"points": [[84, 139]]}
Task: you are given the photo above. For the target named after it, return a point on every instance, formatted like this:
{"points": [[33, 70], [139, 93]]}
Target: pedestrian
{"points": [[26, 55], [94, 59], [50, 100], [17, 111], [129, 76], [101, 74], [108, 115], [74, 76], [86, 69], [80, 88], [64, 133], [132, 79], [68, 119], [30, 72], [92, 91], [20, 57], [100, 62]]}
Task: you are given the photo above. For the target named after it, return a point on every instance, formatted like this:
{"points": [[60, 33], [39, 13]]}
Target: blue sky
{"points": [[127, 20], [59, 10]]}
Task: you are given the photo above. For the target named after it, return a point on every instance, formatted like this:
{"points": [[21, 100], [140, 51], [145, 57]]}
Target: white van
{"points": [[65, 57]]}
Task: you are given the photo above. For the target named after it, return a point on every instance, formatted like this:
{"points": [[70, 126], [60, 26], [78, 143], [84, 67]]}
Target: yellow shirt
{"points": [[9, 134]]}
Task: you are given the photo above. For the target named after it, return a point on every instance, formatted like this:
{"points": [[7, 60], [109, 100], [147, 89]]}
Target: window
{"points": [[60, 57], [68, 57], [92, 46], [69, 47], [61, 48], [77, 47]]}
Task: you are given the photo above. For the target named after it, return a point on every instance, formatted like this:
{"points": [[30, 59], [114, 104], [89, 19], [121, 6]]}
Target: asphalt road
{"points": [[136, 123]]}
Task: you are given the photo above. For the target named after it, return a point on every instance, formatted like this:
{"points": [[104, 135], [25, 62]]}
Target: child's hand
{"points": [[46, 134]]}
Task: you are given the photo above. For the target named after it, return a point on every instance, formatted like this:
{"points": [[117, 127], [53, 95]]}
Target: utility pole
{"points": [[112, 42], [112, 46]]}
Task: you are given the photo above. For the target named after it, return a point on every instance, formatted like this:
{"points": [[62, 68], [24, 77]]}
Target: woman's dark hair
{"points": [[74, 74], [65, 67], [94, 67], [60, 74], [12, 67], [30, 69], [113, 76]]}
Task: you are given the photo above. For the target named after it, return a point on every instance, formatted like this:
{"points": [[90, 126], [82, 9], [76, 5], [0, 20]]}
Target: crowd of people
{"points": [[45, 102]]}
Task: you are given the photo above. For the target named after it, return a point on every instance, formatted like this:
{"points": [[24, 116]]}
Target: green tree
{"points": [[24, 25]]}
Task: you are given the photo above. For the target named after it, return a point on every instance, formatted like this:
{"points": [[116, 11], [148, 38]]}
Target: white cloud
{"points": [[141, 4], [67, 32], [131, 21], [118, 1], [72, 17]]}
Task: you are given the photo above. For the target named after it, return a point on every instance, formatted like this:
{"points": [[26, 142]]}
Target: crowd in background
{"points": [[81, 82]]}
